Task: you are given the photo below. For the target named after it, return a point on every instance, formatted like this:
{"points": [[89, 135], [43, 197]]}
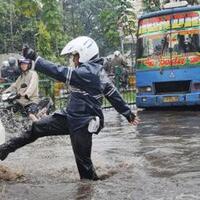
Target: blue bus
{"points": [[168, 58]]}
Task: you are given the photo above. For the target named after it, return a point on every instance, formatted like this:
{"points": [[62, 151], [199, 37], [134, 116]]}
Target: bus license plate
{"points": [[170, 99]]}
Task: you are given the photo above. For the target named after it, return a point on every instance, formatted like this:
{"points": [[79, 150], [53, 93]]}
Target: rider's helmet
{"points": [[5, 63], [117, 53], [12, 61], [26, 61], [85, 46]]}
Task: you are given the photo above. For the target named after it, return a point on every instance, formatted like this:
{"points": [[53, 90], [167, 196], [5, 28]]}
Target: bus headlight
{"points": [[144, 89], [148, 89], [144, 99]]}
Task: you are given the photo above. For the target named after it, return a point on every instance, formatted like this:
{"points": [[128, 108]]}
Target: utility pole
{"points": [[121, 36]]}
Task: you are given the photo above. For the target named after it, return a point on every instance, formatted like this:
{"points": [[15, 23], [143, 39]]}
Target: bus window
{"points": [[163, 45], [139, 48], [188, 43], [145, 47], [196, 42], [169, 35], [151, 46]]}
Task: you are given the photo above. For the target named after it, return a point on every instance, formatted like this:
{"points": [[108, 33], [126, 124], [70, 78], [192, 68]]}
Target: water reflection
{"points": [[168, 142]]}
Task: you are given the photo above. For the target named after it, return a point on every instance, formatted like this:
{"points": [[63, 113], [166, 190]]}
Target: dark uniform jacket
{"points": [[89, 83]]}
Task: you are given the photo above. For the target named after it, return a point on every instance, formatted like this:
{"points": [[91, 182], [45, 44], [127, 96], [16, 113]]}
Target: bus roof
{"points": [[169, 11]]}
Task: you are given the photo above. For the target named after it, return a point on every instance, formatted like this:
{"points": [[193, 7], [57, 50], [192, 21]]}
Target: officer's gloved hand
{"points": [[29, 53], [132, 119]]}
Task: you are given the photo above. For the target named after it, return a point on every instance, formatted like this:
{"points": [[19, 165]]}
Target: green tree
{"points": [[4, 26], [27, 13], [52, 19], [48, 24], [72, 23], [36, 22], [98, 19]]}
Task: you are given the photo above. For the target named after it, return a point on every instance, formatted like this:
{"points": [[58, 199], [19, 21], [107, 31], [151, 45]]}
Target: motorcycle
{"points": [[15, 117]]}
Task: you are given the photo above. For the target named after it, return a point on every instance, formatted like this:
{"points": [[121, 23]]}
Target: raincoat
{"points": [[89, 84]]}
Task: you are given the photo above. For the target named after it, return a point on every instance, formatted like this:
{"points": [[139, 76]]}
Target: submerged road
{"points": [[158, 160]]}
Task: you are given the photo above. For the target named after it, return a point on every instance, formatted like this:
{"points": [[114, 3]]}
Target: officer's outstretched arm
{"points": [[120, 105], [57, 72], [113, 96]]}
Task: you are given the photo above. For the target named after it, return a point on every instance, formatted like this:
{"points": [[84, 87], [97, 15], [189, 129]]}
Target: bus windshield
{"points": [[163, 45], [165, 40]]}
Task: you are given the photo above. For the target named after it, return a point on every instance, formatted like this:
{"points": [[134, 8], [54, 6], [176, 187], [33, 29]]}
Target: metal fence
{"points": [[59, 94], [127, 94]]}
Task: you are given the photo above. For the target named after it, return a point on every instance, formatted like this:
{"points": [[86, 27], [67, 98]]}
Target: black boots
{"points": [[15, 143], [4, 151], [86, 173]]}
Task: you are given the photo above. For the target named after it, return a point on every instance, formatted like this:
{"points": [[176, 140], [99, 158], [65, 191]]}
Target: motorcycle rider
{"points": [[5, 64], [10, 72], [26, 88], [83, 116]]}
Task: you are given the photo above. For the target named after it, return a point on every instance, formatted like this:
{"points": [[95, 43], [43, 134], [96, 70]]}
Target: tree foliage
{"points": [[48, 25], [98, 19], [4, 26], [52, 19]]}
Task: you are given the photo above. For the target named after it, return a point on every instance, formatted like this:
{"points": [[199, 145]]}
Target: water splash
{"points": [[14, 123], [2, 133]]}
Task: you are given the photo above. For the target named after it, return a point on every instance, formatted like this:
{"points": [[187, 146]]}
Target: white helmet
{"points": [[5, 63], [117, 53], [85, 46]]}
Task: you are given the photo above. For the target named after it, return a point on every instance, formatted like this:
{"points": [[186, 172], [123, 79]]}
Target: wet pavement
{"points": [[158, 160]]}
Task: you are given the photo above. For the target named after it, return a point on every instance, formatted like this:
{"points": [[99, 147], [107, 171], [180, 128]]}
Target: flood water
{"points": [[158, 160]]}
